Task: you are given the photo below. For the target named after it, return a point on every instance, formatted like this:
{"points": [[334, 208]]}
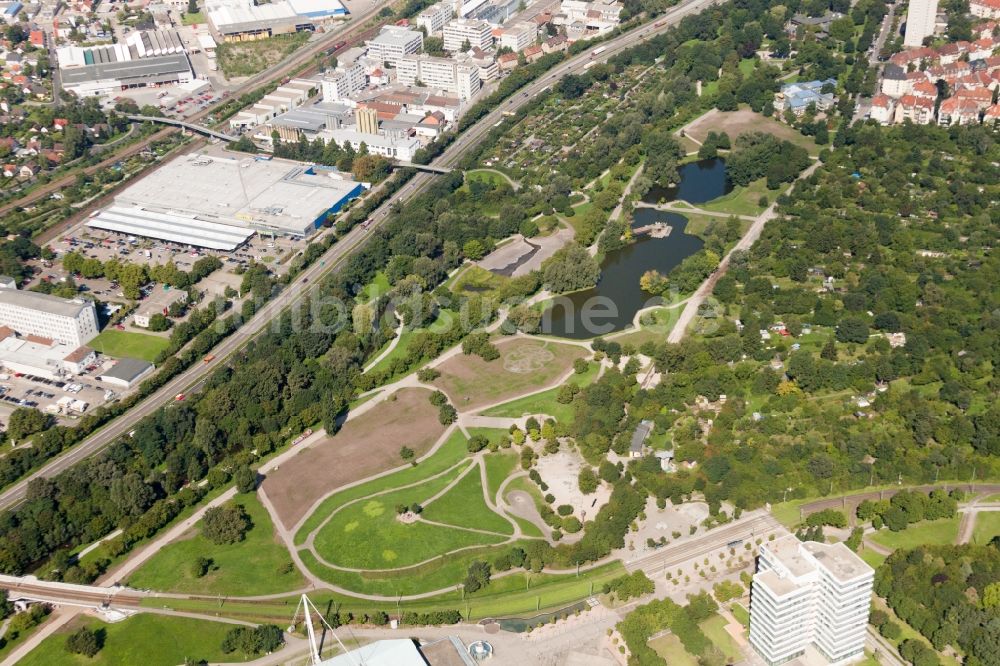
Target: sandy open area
{"points": [[364, 446]]}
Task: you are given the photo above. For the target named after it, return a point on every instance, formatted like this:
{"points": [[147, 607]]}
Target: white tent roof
{"points": [[170, 227]]}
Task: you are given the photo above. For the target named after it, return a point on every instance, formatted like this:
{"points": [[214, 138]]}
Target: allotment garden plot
{"points": [[365, 446], [524, 365]]}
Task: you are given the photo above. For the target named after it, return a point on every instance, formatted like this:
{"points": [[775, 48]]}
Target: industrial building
{"points": [[284, 98], [479, 34], [442, 73], [394, 42], [396, 147], [218, 202], [127, 372], [148, 57], [42, 357], [809, 596], [243, 20], [71, 321]]}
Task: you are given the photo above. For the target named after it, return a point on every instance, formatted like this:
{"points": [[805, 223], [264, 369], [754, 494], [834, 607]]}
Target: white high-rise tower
{"points": [[921, 15], [809, 594]]}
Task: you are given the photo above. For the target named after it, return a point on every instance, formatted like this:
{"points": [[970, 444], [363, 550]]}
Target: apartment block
{"points": [[433, 18], [452, 76], [921, 15], [809, 596], [479, 34], [340, 83], [394, 42]]}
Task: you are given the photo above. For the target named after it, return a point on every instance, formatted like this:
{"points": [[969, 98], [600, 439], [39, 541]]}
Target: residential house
{"points": [[507, 62], [882, 109], [958, 111], [894, 81], [533, 53], [918, 110], [985, 8], [29, 170], [992, 115], [554, 44]]}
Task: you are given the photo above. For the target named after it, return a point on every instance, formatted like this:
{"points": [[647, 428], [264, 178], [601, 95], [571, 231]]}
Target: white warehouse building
{"points": [[442, 73], [809, 595], [72, 322]]}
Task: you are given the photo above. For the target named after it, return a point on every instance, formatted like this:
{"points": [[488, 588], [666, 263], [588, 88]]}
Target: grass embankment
{"points": [[257, 565], [545, 402], [150, 640], [520, 594]]}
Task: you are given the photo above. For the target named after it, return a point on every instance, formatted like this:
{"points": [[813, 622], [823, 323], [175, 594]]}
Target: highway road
{"points": [[190, 379]]}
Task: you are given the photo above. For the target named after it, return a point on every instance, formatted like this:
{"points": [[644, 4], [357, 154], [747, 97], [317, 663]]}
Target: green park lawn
{"points": [[742, 200], [121, 344], [715, 629], [524, 365], [377, 539], [545, 402], [378, 286], [465, 506], [873, 559], [741, 614], [257, 565], [499, 466], [150, 640], [929, 532], [672, 650], [987, 527], [486, 176]]}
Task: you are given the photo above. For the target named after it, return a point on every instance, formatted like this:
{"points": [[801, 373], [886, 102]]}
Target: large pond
{"points": [[700, 181], [612, 304]]}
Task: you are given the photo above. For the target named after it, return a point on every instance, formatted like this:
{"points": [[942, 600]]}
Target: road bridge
{"points": [[399, 164], [192, 127]]}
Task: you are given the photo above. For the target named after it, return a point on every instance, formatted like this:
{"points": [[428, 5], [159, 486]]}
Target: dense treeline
{"points": [[951, 595], [641, 624]]}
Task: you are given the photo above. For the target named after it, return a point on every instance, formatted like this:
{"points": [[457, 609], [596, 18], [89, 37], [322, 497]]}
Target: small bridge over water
{"points": [[200, 129]]}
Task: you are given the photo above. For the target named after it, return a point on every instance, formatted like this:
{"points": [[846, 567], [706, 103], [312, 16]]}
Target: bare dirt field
{"points": [[524, 365], [561, 472], [735, 123], [364, 446]]}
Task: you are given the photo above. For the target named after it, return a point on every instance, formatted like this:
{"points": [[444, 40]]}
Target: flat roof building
{"points": [[806, 595], [400, 148], [394, 42], [434, 17], [242, 20], [479, 34], [42, 357], [127, 372], [146, 57], [444, 74], [69, 321], [219, 201]]}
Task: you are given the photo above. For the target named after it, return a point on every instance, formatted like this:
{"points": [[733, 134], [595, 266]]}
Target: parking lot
{"points": [[20, 390]]}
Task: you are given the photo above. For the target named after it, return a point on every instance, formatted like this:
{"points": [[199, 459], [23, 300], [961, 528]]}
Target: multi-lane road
{"points": [[190, 379]]}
